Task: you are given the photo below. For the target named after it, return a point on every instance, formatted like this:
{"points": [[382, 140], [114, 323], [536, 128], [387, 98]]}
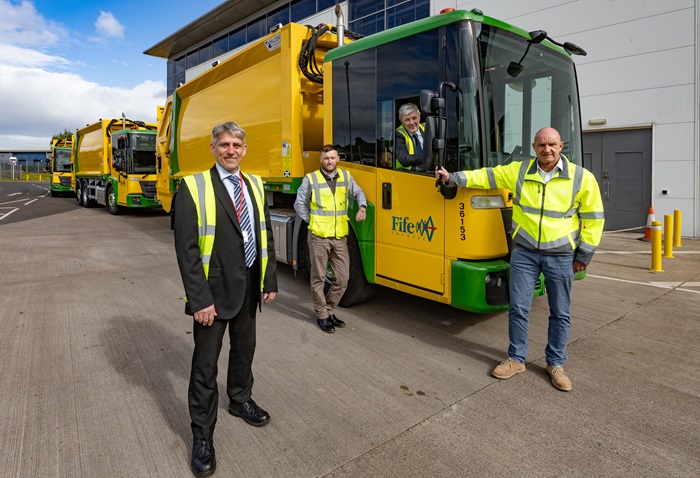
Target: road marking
{"points": [[660, 285], [3, 216], [13, 201], [28, 203], [14, 194]]}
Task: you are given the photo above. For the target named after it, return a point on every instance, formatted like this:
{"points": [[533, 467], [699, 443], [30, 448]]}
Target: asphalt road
{"points": [[95, 353]]}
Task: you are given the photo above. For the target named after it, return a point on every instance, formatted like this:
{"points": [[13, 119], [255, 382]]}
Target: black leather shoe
{"points": [[250, 412], [326, 325], [203, 457], [336, 321]]}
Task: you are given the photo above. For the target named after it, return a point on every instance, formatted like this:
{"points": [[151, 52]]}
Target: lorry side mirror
{"points": [[118, 160], [429, 102]]}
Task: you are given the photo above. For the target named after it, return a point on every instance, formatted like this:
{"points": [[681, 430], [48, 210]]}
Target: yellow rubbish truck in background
{"points": [[484, 88], [61, 166], [114, 165]]}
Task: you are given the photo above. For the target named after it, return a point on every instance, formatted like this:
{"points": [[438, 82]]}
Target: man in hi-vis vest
{"points": [[557, 226], [322, 201], [409, 138], [223, 240]]}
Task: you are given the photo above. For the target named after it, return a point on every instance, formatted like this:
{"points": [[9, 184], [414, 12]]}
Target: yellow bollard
{"points": [[656, 246], [668, 236], [677, 223]]}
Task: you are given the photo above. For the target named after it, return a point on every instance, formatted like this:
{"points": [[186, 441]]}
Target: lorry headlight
{"points": [[487, 202]]}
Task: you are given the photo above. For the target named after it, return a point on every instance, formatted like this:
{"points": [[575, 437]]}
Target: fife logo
{"points": [[421, 229]]}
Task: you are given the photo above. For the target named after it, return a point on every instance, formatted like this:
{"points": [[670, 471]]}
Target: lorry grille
{"points": [[149, 189], [65, 180]]}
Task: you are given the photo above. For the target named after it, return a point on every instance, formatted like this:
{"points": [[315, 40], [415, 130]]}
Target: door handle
{"points": [[386, 195]]}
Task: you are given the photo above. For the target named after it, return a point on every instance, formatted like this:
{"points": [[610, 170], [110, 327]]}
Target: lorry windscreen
{"points": [[144, 153], [520, 101], [61, 163]]}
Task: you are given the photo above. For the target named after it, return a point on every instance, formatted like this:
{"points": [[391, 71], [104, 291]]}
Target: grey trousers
{"points": [[321, 252]]}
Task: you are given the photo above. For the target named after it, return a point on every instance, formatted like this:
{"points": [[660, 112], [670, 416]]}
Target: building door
{"points": [[621, 162]]}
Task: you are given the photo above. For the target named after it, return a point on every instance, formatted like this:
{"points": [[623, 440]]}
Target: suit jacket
{"points": [[401, 152], [226, 284]]}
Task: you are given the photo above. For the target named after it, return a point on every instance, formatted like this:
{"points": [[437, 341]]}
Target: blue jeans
{"points": [[525, 268]]}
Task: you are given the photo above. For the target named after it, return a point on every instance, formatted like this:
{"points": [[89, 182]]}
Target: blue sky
{"points": [[67, 64]]}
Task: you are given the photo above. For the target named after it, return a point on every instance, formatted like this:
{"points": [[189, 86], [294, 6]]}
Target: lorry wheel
{"points": [[85, 201], [359, 290], [112, 205], [53, 193], [79, 193]]}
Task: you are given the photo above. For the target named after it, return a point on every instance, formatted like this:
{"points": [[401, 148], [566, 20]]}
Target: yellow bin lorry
{"points": [[114, 165], [61, 166], [484, 88]]}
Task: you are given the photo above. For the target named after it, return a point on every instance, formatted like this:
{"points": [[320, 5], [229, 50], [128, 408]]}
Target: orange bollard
{"points": [[647, 230], [677, 223], [668, 236], [656, 246]]}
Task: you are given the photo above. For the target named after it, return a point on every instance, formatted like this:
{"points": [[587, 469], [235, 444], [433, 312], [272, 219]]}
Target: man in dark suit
{"points": [[224, 245]]}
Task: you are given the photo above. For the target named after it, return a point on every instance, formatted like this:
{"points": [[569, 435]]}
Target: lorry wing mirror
{"points": [[431, 144], [430, 102]]}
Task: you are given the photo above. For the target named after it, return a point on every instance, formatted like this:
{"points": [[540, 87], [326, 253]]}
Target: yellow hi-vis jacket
{"points": [[202, 191], [409, 144], [563, 216], [328, 212]]}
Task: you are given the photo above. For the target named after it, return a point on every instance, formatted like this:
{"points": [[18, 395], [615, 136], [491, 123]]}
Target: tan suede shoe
{"points": [[507, 369], [559, 378]]}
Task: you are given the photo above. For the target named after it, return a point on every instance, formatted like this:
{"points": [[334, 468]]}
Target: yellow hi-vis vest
{"points": [[409, 144], [561, 216], [328, 212], [202, 191]]}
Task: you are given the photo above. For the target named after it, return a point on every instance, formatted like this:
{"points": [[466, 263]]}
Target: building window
{"points": [[371, 16], [205, 53], [220, 46], [281, 15], [407, 12], [192, 59], [236, 38], [302, 9], [324, 4], [256, 29]]}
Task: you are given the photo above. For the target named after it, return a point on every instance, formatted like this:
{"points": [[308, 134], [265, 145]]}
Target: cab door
{"points": [[410, 232]]}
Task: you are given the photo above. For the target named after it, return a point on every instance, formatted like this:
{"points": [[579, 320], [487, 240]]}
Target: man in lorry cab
{"points": [[224, 245], [408, 149], [322, 201], [557, 226]]}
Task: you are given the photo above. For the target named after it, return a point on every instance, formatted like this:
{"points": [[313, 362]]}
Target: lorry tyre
{"points": [[304, 261], [53, 193], [79, 193], [112, 206], [85, 201], [359, 290]]}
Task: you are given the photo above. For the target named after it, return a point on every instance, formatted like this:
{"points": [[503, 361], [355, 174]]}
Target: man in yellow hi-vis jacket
{"points": [[225, 250], [557, 226], [323, 202]]}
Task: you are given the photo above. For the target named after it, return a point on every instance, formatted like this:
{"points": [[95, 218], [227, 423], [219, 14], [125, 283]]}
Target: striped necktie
{"points": [[244, 220]]}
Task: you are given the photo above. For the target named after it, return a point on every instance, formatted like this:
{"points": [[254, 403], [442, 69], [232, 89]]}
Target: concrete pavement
{"points": [[95, 360]]}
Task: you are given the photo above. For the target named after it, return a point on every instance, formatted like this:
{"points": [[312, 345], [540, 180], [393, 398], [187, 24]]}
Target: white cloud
{"points": [[38, 104], [23, 25], [108, 26], [26, 57]]}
